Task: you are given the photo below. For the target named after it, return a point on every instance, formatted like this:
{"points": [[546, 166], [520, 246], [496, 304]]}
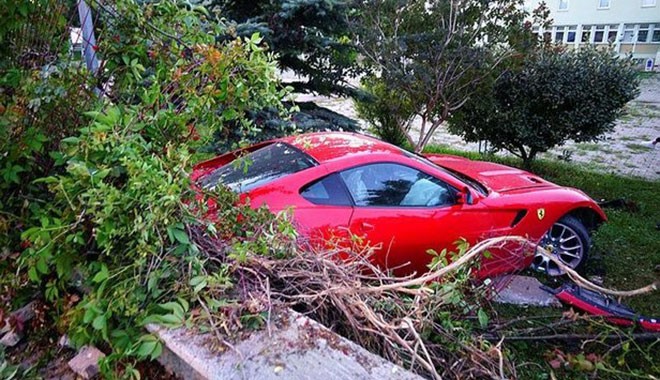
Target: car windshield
{"points": [[458, 175], [259, 168]]}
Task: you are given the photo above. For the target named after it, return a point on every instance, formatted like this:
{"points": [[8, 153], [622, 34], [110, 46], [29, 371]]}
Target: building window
{"points": [[646, 3], [586, 34], [612, 32], [559, 34], [563, 5], [600, 34], [570, 37], [603, 4], [628, 33], [655, 37], [643, 33]]}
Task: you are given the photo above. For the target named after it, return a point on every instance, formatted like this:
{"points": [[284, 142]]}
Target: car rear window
{"points": [[259, 168]]}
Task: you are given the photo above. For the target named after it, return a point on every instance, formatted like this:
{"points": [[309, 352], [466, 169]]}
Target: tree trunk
{"points": [[527, 161]]}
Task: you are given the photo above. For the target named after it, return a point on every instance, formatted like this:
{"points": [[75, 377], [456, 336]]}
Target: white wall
{"points": [[587, 12]]}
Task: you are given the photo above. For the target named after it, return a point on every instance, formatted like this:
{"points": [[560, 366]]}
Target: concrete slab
{"points": [[522, 290], [299, 348]]}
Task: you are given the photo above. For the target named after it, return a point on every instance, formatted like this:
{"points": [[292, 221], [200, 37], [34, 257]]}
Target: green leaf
{"points": [[255, 38], [483, 318], [89, 315], [198, 283], [101, 275], [99, 322], [71, 140], [42, 267], [180, 236], [184, 304], [170, 320], [146, 348], [157, 351], [33, 275], [175, 308]]}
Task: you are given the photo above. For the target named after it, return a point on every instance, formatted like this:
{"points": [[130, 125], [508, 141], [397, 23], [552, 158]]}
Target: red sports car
{"points": [[406, 204]]}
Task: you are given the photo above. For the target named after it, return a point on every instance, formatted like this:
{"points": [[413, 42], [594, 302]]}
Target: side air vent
{"points": [[519, 216], [535, 180]]}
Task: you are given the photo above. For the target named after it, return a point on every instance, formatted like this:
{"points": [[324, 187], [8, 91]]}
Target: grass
{"points": [[626, 252], [592, 147], [638, 148], [642, 110], [646, 74]]}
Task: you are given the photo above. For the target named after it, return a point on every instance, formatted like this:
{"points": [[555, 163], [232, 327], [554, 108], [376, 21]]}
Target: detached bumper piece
{"points": [[598, 304]]}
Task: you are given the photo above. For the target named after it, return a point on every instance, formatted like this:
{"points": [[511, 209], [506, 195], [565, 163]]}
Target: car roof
{"points": [[328, 146]]}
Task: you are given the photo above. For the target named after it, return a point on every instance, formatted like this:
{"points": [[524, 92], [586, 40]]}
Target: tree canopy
{"points": [[435, 53]]}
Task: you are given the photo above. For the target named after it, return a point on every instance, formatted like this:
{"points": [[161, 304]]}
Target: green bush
{"points": [[389, 113], [98, 193], [551, 97], [38, 108]]}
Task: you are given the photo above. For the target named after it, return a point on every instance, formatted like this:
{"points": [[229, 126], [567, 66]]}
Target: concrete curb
{"points": [[522, 290], [300, 348]]}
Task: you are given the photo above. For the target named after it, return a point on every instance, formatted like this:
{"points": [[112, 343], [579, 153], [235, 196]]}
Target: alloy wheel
{"points": [[564, 243]]}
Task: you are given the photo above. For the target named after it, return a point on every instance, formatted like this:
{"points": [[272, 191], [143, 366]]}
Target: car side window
{"points": [[326, 191], [394, 185]]}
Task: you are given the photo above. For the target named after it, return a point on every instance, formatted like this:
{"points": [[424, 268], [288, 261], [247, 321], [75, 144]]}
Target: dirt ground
{"points": [[626, 151], [41, 357]]}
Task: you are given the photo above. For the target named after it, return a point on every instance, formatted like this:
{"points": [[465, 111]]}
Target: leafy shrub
{"points": [[552, 97], [389, 113], [37, 110], [109, 245], [119, 224]]}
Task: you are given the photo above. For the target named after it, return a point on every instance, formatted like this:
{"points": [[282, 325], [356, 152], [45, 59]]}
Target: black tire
{"points": [[569, 240]]}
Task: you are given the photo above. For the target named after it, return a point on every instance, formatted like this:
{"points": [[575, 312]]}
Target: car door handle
{"points": [[366, 226]]}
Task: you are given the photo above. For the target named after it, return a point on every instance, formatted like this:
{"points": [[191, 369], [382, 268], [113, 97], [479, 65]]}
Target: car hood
{"points": [[495, 177]]}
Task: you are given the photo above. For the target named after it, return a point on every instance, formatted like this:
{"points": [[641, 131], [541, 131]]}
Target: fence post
{"points": [[89, 41]]}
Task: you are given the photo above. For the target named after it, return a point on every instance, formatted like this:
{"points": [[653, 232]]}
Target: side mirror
{"points": [[464, 196]]}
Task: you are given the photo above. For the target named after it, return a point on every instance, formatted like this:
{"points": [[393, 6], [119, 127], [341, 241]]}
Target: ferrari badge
{"points": [[540, 213]]}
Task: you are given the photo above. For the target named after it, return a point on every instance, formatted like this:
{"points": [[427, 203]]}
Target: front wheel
{"points": [[568, 241]]}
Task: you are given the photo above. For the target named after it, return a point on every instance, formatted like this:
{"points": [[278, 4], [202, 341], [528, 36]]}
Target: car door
{"points": [[324, 213], [404, 212]]}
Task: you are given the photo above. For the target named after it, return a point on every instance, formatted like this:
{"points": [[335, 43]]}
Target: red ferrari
{"points": [[406, 204]]}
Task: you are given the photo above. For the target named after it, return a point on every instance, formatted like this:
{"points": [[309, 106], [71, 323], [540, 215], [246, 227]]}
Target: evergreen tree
{"points": [[311, 37]]}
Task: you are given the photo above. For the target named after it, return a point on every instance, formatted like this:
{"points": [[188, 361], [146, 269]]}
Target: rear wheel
{"points": [[568, 241]]}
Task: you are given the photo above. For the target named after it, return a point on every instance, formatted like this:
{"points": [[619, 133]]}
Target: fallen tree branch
{"points": [[575, 337], [391, 316], [573, 275], [468, 257]]}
